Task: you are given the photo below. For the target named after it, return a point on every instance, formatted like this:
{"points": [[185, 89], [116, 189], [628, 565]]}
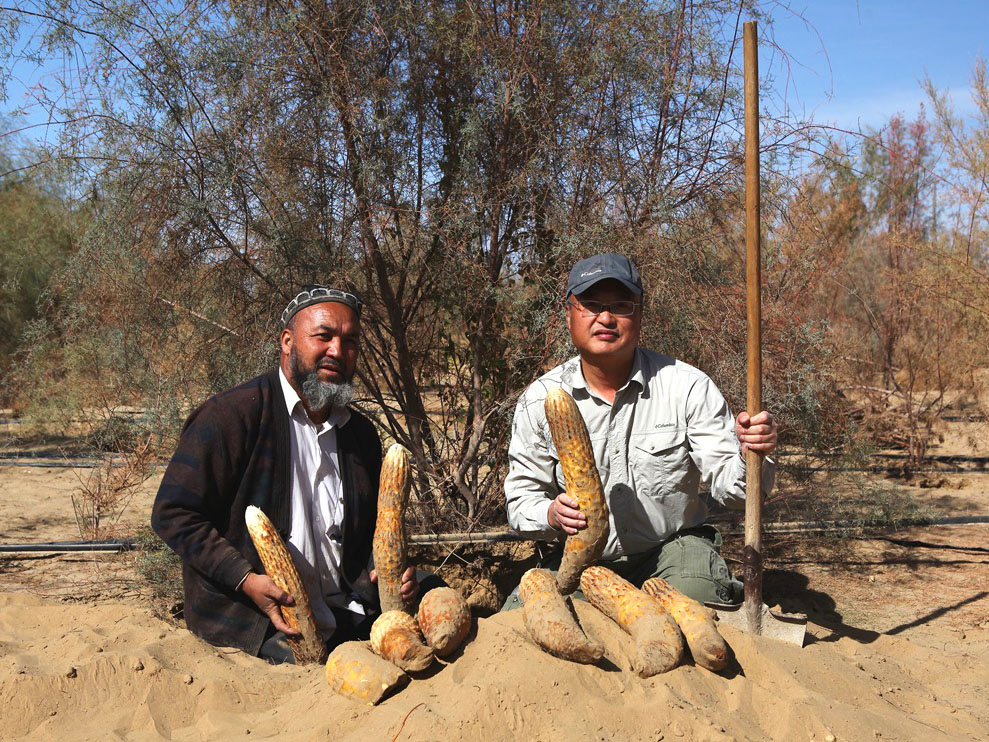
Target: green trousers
{"points": [[689, 560]]}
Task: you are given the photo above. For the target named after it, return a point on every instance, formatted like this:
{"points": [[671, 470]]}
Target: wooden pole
{"points": [[752, 557]]}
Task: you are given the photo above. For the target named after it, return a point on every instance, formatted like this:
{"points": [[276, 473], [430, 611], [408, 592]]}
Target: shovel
{"points": [[752, 615]]}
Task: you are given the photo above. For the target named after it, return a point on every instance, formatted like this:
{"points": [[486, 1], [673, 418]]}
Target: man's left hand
{"points": [[410, 584], [757, 433]]}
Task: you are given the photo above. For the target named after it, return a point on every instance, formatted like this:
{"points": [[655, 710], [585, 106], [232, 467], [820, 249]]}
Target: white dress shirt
{"points": [[316, 533], [668, 430]]}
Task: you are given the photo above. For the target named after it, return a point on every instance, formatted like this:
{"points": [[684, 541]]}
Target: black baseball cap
{"points": [[589, 271], [315, 294]]}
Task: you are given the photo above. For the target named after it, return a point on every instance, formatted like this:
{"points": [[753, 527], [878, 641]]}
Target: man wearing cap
{"points": [[659, 428], [287, 443]]}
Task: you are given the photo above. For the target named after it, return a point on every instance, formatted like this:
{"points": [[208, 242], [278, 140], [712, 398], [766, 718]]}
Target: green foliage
{"points": [[36, 238], [161, 568], [448, 161], [889, 506]]}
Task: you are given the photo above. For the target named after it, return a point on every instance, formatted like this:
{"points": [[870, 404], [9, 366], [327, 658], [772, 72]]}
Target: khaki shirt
{"points": [[668, 431]]}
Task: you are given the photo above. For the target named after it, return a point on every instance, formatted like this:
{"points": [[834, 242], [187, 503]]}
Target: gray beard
{"points": [[320, 395]]}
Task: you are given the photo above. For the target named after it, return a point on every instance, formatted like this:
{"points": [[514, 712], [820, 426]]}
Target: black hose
{"points": [[820, 526], [67, 463], [114, 544]]}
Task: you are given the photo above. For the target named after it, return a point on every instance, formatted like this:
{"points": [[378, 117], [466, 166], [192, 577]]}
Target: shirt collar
{"points": [[573, 375], [293, 402], [638, 372]]}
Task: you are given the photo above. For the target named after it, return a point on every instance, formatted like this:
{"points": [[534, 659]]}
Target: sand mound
{"points": [[79, 671]]}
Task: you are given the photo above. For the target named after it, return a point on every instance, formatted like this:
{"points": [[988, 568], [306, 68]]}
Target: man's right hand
{"points": [[268, 596], [563, 514]]}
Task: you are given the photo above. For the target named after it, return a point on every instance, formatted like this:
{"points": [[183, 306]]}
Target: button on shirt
{"points": [[668, 431], [316, 536]]}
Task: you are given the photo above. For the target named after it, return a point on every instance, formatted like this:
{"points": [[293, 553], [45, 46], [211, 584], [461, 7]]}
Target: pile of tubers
{"points": [[400, 642], [658, 618]]}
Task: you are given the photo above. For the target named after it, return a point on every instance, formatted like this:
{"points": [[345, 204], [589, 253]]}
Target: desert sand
{"points": [[897, 649], [112, 671]]}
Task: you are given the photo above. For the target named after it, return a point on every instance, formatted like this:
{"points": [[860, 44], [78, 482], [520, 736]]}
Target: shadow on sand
{"points": [[790, 590]]}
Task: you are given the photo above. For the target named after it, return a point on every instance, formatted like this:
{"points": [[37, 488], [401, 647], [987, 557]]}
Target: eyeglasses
{"points": [[591, 308]]}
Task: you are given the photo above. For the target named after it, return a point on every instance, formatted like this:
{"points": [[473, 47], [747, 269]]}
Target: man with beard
{"points": [[286, 443]]}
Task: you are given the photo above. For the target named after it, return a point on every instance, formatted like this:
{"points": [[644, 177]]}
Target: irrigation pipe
{"points": [[116, 545], [818, 526], [68, 463], [977, 465], [491, 537]]}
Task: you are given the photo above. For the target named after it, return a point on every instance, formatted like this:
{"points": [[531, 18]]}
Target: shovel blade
{"points": [[785, 627]]}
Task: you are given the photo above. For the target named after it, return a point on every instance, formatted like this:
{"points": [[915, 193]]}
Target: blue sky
{"points": [[855, 63], [851, 63]]}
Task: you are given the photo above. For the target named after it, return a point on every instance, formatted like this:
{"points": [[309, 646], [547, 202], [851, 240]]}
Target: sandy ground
{"points": [[897, 648]]}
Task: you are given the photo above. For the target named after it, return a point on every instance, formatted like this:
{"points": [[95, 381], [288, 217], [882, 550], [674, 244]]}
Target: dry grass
{"points": [[108, 489]]}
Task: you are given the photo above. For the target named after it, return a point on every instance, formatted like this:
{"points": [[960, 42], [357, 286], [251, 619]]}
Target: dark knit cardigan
{"points": [[233, 452]]}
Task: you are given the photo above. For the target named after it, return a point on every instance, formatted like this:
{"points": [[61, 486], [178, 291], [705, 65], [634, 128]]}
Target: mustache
{"points": [[331, 364]]}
